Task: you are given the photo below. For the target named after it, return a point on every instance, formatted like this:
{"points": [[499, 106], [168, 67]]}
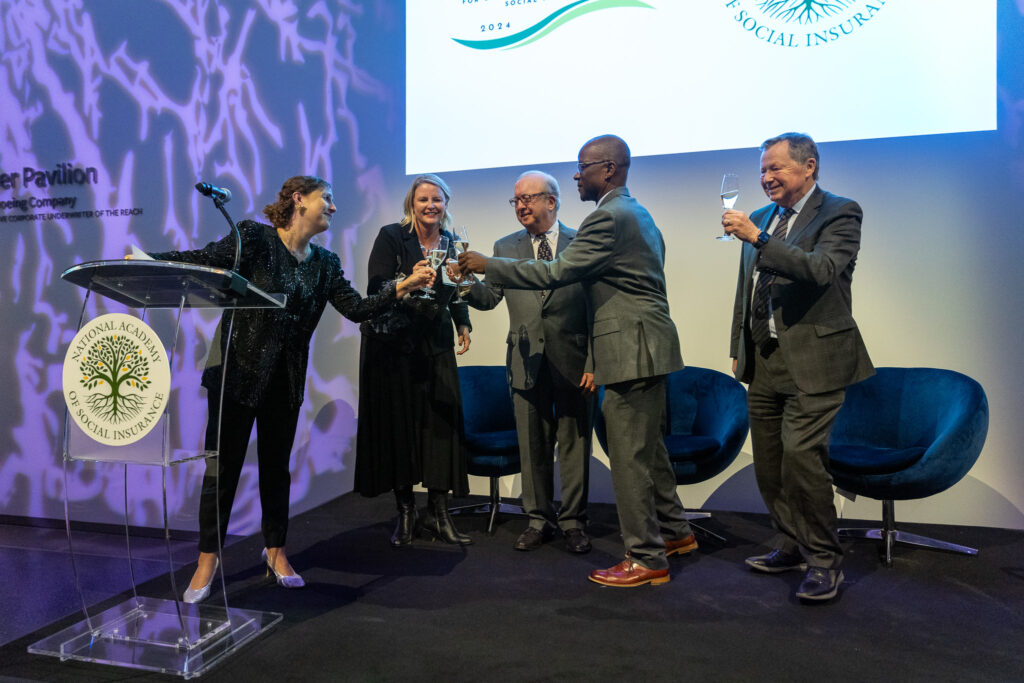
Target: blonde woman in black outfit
{"points": [[410, 408]]}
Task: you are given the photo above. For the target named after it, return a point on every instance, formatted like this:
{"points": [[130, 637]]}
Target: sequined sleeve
{"points": [[350, 303], [219, 254]]}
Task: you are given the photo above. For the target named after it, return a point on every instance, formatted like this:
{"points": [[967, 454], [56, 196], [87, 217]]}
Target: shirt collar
{"points": [[551, 234], [799, 206]]}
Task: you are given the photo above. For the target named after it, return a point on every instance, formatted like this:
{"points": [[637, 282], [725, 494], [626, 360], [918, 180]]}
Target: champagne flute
{"points": [[437, 256], [730, 193], [461, 240], [461, 245]]}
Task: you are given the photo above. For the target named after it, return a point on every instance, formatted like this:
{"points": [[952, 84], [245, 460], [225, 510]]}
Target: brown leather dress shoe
{"points": [[629, 574], [681, 546]]}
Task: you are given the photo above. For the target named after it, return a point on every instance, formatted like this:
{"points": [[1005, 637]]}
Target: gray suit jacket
{"points": [[555, 325], [811, 299], [619, 257]]}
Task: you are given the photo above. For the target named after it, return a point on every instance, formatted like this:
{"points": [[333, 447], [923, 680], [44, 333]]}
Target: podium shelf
{"points": [[163, 284]]}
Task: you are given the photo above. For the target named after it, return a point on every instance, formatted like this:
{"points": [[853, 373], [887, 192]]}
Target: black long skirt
{"points": [[410, 420]]}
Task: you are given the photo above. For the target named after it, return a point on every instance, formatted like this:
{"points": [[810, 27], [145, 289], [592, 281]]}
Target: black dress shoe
{"points": [[531, 539], [776, 561], [577, 541], [820, 584]]}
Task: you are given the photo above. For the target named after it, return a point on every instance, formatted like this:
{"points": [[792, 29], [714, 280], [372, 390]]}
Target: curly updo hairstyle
{"points": [[280, 212]]}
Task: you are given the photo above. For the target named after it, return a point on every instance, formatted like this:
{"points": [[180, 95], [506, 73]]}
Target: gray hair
{"points": [[801, 148], [550, 185]]}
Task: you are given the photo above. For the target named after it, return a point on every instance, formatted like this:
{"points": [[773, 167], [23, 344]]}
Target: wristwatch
{"points": [[761, 240]]}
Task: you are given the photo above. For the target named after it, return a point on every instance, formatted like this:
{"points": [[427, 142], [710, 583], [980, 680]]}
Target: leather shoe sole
{"points": [[681, 546], [629, 574]]}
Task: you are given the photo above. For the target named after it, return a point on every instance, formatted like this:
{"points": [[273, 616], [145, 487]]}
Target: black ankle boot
{"points": [[405, 527], [438, 523]]}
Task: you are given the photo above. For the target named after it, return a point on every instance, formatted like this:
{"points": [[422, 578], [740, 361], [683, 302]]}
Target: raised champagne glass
{"points": [[730, 193]]}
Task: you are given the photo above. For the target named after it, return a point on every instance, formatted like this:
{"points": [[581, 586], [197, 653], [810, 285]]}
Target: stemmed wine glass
{"points": [[730, 193], [436, 256], [461, 239], [461, 245]]}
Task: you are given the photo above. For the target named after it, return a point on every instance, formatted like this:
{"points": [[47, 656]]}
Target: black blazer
{"points": [[395, 251]]}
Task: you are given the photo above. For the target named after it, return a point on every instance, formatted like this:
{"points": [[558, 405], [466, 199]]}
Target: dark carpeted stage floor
{"points": [[432, 612]]}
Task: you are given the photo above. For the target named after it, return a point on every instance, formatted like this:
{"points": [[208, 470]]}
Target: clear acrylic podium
{"points": [[147, 633]]}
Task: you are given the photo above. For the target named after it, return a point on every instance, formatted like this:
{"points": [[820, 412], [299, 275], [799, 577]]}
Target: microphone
{"points": [[208, 190], [221, 196]]}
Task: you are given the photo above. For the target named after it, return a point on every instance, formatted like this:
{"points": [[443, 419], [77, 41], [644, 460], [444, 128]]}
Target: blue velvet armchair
{"points": [[706, 426], [492, 446], [903, 434]]}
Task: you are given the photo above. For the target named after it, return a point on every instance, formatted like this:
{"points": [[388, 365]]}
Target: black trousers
{"points": [[789, 431], [275, 433]]}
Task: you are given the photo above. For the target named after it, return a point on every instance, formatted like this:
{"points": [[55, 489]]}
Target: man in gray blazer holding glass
{"points": [[619, 257], [548, 370], [795, 342]]}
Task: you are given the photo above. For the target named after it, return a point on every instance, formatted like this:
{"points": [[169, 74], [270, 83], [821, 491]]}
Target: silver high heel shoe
{"points": [[293, 581], [194, 596]]}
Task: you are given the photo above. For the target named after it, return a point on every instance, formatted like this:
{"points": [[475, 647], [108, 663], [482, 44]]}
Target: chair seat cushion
{"points": [[494, 454], [690, 447], [493, 442], [496, 465], [856, 459]]}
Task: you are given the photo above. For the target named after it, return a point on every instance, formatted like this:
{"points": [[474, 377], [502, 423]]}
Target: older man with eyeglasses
{"points": [[548, 370], [619, 257]]}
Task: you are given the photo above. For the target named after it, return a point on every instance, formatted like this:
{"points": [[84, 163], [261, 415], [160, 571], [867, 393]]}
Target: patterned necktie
{"points": [[761, 308], [544, 249], [544, 254]]}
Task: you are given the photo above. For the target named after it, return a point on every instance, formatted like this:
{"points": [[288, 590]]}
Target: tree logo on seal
{"points": [[802, 11], [117, 374], [116, 379], [803, 23]]}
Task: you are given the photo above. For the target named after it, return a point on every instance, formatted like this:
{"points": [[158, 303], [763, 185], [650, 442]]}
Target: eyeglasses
{"points": [[583, 164], [526, 199]]}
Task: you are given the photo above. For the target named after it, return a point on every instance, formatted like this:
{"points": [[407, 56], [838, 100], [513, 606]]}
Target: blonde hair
{"points": [[427, 179]]}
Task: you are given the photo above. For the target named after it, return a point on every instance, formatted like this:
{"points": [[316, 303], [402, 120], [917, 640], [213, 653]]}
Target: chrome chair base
{"points": [[492, 507], [890, 536], [700, 528]]}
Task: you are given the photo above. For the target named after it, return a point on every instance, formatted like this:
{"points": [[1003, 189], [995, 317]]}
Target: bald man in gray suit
{"points": [[619, 257]]}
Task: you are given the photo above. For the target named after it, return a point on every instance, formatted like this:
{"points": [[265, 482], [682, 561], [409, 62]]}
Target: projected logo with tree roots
{"points": [[116, 379], [803, 23], [802, 11]]}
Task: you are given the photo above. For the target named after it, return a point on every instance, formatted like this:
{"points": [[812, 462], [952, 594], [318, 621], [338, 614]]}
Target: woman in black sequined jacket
{"points": [[267, 353]]}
